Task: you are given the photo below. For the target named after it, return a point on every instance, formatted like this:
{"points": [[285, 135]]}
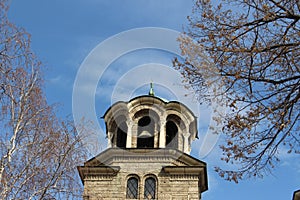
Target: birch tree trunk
{"points": [[38, 152]]}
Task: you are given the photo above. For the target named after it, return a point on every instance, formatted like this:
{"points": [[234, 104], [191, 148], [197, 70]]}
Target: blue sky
{"points": [[67, 34]]}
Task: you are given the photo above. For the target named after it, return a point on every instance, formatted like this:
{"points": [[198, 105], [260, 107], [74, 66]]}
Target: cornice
{"points": [[97, 172], [116, 154]]}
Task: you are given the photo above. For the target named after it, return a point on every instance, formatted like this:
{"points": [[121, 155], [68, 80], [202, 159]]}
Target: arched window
{"points": [[150, 188], [145, 133], [171, 135], [122, 135], [132, 188]]}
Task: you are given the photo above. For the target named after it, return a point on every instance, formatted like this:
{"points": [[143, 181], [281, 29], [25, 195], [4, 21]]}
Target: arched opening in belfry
{"points": [[171, 135], [122, 135], [146, 127]]}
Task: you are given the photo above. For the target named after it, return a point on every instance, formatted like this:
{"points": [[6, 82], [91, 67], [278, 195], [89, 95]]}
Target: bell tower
{"points": [[148, 154]]}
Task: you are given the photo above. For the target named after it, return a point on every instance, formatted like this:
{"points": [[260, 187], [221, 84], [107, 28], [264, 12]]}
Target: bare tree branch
{"points": [[255, 49], [38, 152]]}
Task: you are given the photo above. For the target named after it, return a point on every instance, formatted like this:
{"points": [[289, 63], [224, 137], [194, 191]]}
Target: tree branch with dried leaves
{"points": [[251, 49]]}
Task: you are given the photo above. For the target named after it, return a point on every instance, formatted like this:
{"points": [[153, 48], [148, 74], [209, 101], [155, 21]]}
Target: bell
{"points": [[145, 134]]}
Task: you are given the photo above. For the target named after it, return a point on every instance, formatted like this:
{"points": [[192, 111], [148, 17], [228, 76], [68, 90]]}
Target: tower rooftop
{"points": [[150, 122]]}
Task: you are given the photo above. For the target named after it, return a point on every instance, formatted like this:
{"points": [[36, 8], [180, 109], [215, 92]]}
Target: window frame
{"points": [[137, 187], [155, 189]]}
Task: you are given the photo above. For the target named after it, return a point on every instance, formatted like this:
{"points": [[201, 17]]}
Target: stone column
{"points": [[109, 142], [129, 134], [134, 135], [186, 143], [162, 133], [156, 136]]}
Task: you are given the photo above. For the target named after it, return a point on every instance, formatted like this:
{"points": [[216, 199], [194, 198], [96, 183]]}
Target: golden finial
{"points": [[151, 91]]}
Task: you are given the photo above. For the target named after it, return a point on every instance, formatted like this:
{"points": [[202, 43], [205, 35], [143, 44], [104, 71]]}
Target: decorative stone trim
{"points": [[97, 172], [187, 172], [98, 178], [183, 178], [116, 154]]}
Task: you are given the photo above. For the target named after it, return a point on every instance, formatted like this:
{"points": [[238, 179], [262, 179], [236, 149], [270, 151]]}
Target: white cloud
{"points": [[55, 80]]}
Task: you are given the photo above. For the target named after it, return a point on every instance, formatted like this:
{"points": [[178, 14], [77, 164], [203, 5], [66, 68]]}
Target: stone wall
{"points": [[169, 186]]}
